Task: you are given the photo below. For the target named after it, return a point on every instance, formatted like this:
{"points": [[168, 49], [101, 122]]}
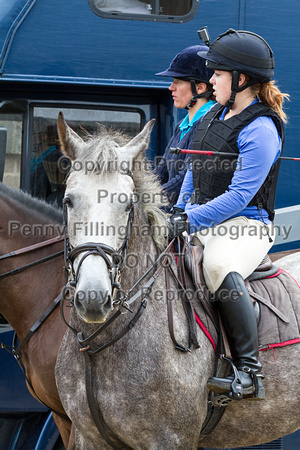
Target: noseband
{"points": [[114, 259]]}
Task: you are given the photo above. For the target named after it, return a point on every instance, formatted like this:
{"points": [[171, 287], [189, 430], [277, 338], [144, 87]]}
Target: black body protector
{"points": [[212, 175]]}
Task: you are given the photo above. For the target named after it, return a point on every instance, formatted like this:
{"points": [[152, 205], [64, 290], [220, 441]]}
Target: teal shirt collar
{"points": [[185, 125]]}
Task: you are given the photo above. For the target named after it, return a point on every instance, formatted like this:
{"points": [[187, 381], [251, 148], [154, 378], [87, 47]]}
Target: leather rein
{"points": [[16, 350], [29, 249]]}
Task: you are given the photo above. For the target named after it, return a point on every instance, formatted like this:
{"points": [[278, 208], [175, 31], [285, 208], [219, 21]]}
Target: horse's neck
{"points": [[142, 252]]}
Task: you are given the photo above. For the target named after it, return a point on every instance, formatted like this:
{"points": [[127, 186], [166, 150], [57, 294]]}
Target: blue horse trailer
{"points": [[96, 61]]}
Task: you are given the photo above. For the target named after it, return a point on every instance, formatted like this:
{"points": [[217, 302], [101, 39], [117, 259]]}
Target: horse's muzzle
{"points": [[93, 306]]}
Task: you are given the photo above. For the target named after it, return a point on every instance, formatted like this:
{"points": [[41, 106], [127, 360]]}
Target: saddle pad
{"points": [[283, 328], [279, 317]]}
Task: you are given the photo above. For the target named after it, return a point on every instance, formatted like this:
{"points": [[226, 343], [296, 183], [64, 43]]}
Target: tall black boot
{"points": [[238, 317]]}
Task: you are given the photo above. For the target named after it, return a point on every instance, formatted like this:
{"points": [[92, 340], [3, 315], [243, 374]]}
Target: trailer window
{"points": [[152, 10], [48, 167]]}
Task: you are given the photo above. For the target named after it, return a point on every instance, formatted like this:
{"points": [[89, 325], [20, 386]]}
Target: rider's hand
{"points": [[177, 223]]}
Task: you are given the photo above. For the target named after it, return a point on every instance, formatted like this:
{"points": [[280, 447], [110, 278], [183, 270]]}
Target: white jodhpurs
{"points": [[236, 245]]}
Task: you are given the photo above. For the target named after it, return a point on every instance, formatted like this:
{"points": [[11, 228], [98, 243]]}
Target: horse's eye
{"points": [[67, 201]]}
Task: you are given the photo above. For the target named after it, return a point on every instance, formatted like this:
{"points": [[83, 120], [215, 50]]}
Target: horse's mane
{"points": [[32, 203], [147, 182], [103, 146]]}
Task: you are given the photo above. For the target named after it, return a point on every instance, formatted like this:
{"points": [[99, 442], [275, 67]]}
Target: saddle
{"points": [[273, 292], [193, 257]]}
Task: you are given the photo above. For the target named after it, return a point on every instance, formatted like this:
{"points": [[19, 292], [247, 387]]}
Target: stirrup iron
{"points": [[236, 392]]}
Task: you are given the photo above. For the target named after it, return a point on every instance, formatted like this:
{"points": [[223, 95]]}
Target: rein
{"points": [[29, 249]]}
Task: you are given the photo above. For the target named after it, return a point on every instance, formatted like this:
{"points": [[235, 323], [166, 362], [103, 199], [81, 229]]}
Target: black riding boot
{"points": [[238, 317]]}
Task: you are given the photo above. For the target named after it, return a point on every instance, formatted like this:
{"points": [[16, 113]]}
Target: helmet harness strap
{"points": [[195, 97], [235, 87]]}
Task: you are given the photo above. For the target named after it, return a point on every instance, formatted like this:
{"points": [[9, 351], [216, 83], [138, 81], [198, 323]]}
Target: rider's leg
{"points": [[238, 317], [232, 250]]}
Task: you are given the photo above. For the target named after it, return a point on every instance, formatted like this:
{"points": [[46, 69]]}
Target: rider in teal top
{"points": [[190, 90]]}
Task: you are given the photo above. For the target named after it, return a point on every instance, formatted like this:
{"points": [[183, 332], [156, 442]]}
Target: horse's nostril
{"points": [[80, 296], [93, 305], [108, 303]]}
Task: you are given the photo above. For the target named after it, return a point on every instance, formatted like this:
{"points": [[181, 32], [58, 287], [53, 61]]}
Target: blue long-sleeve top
{"points": [[171, 168], [259, 147]]}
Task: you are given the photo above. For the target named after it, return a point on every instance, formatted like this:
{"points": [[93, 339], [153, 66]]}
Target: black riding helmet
{"points": [[241, 52], [189, 67]]}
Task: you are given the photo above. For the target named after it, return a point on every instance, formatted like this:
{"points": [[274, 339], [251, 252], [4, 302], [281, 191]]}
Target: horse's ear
{"points": [[139, 144], [69, 140]]}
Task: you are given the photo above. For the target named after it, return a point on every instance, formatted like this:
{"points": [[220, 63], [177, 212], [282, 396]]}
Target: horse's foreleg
{"points": [[81, 443], [65, 429], [71, 445]]}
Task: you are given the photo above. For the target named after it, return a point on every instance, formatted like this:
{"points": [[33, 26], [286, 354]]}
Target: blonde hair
{"points": [[269, 94]]}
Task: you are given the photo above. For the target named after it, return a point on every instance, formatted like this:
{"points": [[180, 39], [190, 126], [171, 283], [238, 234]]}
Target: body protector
{"points": [[188, 66], [212, 175]]}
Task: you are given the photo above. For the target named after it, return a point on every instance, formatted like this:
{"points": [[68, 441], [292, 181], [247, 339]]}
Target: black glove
{"points": [[177, 223]]}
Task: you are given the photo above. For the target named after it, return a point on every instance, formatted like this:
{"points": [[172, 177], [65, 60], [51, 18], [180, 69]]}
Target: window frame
{"points": [[64, 106], [145, 17]]}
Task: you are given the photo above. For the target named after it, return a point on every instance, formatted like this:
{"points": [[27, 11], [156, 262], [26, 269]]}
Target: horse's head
{"points": [[99, 201]]}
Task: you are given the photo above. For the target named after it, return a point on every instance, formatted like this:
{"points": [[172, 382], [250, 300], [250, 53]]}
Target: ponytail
{"points": [[269, 94]]}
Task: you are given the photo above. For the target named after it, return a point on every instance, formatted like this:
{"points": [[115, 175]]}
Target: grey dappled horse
{"points": [[290, 263], [151, 395]]}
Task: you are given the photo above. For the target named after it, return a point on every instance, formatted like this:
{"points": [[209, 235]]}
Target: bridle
{"points": [[114, 259]]}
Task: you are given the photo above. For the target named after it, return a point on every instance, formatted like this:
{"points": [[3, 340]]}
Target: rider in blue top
{"points": [[190, 90], [228, 200], [250, 174]]}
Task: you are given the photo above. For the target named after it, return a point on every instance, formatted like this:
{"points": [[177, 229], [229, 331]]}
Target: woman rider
{"points": [[231, 208], [190, 90]]}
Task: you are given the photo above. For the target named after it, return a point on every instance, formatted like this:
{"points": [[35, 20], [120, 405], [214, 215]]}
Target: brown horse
{"points": [[26, 295]]}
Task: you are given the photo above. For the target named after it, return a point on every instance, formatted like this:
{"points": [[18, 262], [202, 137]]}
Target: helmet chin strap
{"points": [[196, 95], [235, 87]]}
